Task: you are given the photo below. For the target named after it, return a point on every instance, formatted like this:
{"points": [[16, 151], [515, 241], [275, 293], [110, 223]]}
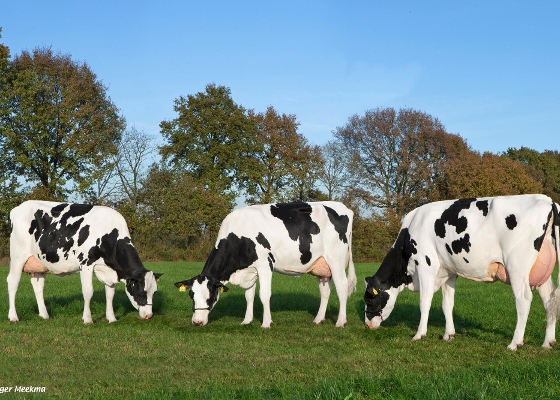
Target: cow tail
{"points": [[554, 304], [351, 270]]}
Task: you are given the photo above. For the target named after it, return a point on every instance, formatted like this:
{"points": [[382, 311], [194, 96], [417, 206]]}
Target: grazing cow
{"points": [[292, 239], [506, 238], [62, 239]]}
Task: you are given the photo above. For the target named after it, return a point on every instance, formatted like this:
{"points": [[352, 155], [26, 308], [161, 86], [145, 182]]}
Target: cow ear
{"points": [[184, 285], [157, 276], [369, 280]]}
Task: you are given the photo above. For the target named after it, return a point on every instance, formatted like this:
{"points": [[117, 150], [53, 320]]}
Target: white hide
{"points": [[248, 222], [491, 241], [101, 220]]}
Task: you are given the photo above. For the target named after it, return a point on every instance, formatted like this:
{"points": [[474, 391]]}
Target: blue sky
{"points": [[488, 70]]}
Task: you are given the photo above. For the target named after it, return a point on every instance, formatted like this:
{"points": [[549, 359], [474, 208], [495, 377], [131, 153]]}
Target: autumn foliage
{"points": [[62, 138]]}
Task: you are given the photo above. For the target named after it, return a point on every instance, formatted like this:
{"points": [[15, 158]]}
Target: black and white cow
{"points": [[506, 238], [62, 239], [292, 239]]}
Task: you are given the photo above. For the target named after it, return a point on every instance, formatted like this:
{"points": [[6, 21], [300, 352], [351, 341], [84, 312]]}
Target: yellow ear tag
{"points": [[221, 289], [375, 292], [183, 289]]}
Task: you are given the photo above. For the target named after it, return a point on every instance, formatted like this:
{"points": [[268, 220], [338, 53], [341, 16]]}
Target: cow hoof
{"points": [[317, 322], [449, 337], [14, 320], [88, 322], [246, 322], [418, 337], [340, 324], [514, 347]]}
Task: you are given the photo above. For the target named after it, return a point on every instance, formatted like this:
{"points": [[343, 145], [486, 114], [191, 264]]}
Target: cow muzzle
{"points": [[372, 324], [197, 322], [145, 312]]}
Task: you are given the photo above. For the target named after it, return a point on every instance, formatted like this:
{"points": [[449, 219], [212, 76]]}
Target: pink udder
{"points": [[541, 269], [320, 268], [32, 265], [544, 264]]}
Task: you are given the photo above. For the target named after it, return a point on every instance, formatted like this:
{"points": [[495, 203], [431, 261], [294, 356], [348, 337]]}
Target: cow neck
{"points": [[231, 254], [393, 271]]}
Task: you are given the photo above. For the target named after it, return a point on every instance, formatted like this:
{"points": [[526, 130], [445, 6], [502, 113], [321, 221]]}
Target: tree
{"points": [[60, 125], [134, 151], [307, 164], [335, 175], [178, 217], [543, 167], [4, 77], [285, 162], [472, 174], [396, 158], [212, 138]]}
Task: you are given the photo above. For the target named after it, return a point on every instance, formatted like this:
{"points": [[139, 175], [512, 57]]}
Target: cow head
{"points": [[383, 288], [380, 301], [204, 292], [141, 291]]}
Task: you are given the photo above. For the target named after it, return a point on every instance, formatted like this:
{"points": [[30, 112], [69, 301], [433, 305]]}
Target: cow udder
{"points": [[32, 265], [320, 268], [540, 271]]}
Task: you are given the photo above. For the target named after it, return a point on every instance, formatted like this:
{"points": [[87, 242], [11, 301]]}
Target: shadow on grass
{"points": [[409, 315], [234, 305], [121, 303]]}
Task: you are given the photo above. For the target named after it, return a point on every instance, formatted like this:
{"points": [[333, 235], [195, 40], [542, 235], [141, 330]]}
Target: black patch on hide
{"points": [[482, 205], [52, 231], [231, 254], [511, 222], [340, 223], [262, 241], [451, 217], [297, 220]]}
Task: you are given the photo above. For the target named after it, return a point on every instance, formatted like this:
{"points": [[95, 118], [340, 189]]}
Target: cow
{"points": [[289, 238], [62, 239], [506, 238]]}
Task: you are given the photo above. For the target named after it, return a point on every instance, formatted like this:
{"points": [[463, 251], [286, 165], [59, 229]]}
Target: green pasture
{"points": [[167, 357]]}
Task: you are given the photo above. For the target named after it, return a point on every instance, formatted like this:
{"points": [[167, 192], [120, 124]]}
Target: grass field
{"points": [[166, 357]]}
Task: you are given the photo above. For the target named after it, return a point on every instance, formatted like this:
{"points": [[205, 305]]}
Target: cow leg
{"points": [[250, 299], [341, 285], [325, 291], [86, 276], [38, 283], [14, 276], [109, 294], [545, 291], [427, 286], [448, 301], [265, 291], [523, 296]]}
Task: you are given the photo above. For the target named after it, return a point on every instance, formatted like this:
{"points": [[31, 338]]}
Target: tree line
{"points": [[63, 139]]}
